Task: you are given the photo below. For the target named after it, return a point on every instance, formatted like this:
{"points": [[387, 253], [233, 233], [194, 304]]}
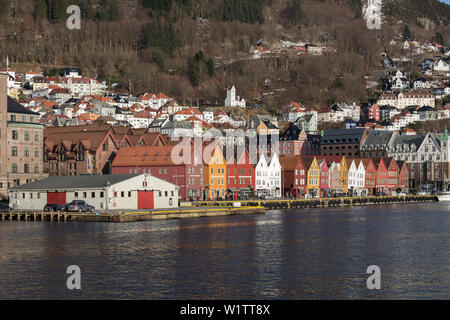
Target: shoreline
{"points": [[210, 209]]}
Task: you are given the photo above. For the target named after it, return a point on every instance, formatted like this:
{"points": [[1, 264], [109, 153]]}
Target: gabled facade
{"points": [[215, 173], [343, 177], [393, 175], [293, 176], [334, 175], [382, 176], [312, 176], [324, 178], [268, 176], [403, 176], [370, 176], [240, 175]]}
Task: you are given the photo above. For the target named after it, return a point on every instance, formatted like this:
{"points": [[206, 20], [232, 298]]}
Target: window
{"points": [[27, 136], [84, 195], [76, 195], [92, 194], [26, 168], [15, 135], [14, 168], [36, 168], [14, 151], [27, 152], [129, 194], [102, 194]]}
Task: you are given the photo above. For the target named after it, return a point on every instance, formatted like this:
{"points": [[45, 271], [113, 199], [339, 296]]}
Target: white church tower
{"points": [[232, 100]]}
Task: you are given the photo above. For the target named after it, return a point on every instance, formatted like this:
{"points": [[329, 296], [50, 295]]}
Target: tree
{"points": [[5, 5], [294, 13], [439, 38], [406, 33]]}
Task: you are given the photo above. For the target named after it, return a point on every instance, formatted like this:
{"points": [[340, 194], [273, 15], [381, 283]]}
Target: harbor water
{"points": [[291, 254]]}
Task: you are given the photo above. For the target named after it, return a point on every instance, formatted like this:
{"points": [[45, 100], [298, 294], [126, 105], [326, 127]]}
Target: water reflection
{"points": [[304, 254]]}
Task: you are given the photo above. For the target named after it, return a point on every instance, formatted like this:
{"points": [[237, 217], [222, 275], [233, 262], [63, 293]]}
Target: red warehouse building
{"points": [[158, 162]]}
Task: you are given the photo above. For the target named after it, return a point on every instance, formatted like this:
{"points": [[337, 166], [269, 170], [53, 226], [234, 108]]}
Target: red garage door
{"points": [[145, 200], [56, 198]]}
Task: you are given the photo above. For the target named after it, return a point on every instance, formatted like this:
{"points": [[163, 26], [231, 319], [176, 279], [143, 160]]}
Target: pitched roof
{"points": [[289, 163], [76, 182], [14, 107]]}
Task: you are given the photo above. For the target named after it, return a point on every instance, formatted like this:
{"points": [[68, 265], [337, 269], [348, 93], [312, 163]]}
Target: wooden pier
{"points": [[125, 216], [321, 202]]}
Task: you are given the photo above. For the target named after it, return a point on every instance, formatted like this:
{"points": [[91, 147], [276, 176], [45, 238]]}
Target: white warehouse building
{"points": [[104, 193]]}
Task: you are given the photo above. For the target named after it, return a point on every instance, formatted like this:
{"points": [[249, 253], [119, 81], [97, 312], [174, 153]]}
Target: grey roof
{"points": [[157, 123], [15, 107], [177, 125], [377, 137], [343, 136], [416, 139], [76, 182]]}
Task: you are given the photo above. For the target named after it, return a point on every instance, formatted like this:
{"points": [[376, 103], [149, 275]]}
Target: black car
{"points": [[79, 206], [52, 207]]}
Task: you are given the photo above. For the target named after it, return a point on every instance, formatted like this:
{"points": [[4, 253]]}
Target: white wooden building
{"points": [[104, 193]]}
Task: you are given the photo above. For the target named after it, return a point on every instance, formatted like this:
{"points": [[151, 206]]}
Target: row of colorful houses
{"points": [[211, 174], [325, 176]]}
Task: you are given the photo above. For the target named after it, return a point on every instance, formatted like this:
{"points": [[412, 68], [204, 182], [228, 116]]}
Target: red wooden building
{"points": [[240, 174], [159, 162], [392, 181], [403, 176], [382, 175], [324, 178], [293, 176], [371, 174]]}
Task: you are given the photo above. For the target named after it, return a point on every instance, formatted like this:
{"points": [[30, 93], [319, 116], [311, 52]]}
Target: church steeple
{"points": [[445, 137]]}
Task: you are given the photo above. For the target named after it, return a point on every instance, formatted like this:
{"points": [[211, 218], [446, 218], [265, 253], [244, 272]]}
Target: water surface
{"points": [[296, 254]]}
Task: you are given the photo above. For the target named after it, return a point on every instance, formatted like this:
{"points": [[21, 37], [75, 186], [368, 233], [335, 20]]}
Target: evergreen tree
{"points": [[439, 38], [5, 5], [406, 33]]}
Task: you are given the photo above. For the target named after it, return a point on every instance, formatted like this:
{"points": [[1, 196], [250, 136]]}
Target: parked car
{"points": [[80, 206], [51, 207], [340, 195], [423, 193], [64, 207]]}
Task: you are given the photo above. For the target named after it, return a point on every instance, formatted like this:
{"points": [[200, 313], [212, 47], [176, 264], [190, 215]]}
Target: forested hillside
{"points": [[193, 49]]}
